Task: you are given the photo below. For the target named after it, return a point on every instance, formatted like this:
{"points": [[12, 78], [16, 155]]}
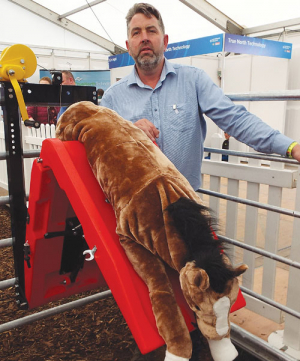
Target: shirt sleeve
{"points": [[236, 120]]}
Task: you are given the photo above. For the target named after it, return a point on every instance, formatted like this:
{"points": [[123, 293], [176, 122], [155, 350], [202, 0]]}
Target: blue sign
{"points": [[98, 78], [256, 46], [206, 45]]}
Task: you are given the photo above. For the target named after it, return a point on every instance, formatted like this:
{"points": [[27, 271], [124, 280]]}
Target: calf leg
{"points": [[169, 320]]}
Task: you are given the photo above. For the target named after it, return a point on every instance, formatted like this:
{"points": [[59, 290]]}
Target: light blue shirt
{"points": [[61, 111], [176, 107]]}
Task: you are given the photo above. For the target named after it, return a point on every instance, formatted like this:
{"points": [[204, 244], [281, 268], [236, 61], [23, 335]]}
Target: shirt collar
{"points": [[134, 78]]}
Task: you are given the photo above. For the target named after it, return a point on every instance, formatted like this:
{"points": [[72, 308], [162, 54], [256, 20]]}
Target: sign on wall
{"points": [[206, 45], [214, 44], [256, 46], [98, 78]]}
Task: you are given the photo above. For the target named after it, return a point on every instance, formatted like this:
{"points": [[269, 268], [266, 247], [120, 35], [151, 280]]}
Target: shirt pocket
{"points": [[179, 117]]}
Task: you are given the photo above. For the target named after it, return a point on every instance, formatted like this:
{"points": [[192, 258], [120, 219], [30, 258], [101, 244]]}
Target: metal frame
{"points": [[34, 94]]}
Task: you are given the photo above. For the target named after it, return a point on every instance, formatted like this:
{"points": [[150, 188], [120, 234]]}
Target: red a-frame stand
{"points": [[66, 209]]}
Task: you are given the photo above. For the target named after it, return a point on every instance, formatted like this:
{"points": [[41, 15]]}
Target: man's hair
{"points": [[146, 9], [100, 92], [46, 78], [68, 74]]}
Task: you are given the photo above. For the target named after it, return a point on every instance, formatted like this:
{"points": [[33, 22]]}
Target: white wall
{"points": [[292, 125]]}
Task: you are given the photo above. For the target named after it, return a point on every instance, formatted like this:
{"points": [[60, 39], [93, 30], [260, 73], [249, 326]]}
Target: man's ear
{"points": [[127, 46], [166, 41]]}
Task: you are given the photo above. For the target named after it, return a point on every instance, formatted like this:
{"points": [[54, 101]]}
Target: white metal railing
{"points": [[247, 181]]}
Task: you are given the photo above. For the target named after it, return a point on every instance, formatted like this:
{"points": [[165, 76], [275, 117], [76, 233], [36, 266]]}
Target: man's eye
{"points": [[197, 307]]}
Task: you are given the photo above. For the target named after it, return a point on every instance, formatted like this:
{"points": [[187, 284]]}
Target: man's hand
{"points": [[296, 152], [148, 128]]}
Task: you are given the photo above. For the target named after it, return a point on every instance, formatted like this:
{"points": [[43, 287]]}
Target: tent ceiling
{"points": [[103, 21]]}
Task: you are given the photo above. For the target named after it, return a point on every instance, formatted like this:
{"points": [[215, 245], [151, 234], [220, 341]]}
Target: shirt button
{"points": [[155, 110]]}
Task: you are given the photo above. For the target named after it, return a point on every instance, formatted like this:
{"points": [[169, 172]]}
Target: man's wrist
{"points": [[290, 149]]}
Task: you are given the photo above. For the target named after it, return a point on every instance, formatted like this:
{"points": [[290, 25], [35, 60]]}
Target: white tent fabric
{"points": [[107, 18]]}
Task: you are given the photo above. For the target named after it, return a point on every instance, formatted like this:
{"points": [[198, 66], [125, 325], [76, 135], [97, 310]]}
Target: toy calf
{"points": [[160, 220]]}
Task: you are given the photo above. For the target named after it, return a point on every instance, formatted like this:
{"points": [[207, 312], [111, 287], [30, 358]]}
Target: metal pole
{"points": [[262, 156], [16, 186], [273, 256], [53, 311], [250, 203], [7, 283], [256, 346], [4, 200], [7, 242], [266, 96]]}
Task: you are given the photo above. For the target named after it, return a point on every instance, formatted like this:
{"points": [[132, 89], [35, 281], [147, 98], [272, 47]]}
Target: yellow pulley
{"points": [[17, 63]]}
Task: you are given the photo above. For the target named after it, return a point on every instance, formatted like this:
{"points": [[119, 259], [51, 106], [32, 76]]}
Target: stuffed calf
{"points": [[160, 220]]}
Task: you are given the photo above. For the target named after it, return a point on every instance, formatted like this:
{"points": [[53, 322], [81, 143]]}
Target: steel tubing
{"points": [[53, 311], [266, 96], [270, 255], [271, 302], [267, 207], [7, 283], [256, 346], [6, 242]]}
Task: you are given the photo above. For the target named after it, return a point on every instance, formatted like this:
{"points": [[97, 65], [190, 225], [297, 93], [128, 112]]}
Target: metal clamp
{"points": [[91, 253]]}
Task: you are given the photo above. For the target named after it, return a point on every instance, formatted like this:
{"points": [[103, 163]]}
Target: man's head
{"points": [[45, 80], [67, 78], [146, 36]]}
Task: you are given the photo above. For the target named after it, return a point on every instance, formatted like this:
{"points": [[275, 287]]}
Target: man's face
{"points": [[67, 81], [146, 42]]}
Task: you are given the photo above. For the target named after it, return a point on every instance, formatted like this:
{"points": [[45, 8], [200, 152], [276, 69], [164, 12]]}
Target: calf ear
{"points": [[201, 280], [194, 277], [236, 271], [240, 270]]}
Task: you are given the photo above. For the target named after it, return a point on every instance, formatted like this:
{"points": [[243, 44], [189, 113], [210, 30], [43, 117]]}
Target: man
{"points": [[167, 101], [67, 79]]}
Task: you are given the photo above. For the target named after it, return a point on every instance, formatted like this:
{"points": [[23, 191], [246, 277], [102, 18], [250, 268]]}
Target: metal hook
{"points": [[91, 253]]}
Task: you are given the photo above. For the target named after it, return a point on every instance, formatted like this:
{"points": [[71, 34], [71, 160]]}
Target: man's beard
{"points": [[148, 62]]}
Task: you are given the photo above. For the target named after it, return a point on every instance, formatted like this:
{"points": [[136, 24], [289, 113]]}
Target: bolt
{"points": [[11, 72], [24, 67], [10, 90], [22, 61], [40, 160]]}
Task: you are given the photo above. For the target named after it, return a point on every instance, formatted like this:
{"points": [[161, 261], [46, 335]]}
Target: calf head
{"points": [[211, 308]]}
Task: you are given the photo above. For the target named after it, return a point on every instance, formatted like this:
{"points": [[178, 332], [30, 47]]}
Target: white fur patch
{"points": [[171, 357], [221, 309], [222, 350]]}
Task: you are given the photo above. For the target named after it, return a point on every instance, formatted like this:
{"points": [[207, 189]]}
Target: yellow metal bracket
{"points": [[17, 63]]}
